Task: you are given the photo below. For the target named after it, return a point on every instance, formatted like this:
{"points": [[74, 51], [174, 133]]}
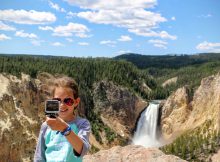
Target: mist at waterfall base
{"points": [[147, 133]]}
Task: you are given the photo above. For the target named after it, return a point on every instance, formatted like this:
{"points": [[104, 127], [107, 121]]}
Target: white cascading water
{"points": [[146, 133]]}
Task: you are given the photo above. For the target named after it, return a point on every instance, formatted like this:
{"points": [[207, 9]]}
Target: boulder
{"points": [[131, 153]]}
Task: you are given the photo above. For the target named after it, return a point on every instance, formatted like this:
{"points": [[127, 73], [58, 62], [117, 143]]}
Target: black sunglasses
{"points": [[67, 101]]}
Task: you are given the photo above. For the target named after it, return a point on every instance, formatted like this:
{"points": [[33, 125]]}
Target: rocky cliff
{"points": [[180, 112], [117, 107], [175, 113], [20, 104], [206, 103]]}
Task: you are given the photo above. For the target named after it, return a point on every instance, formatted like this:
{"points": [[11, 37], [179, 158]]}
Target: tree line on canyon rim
{"points": [[129, 71], [122, 70]]}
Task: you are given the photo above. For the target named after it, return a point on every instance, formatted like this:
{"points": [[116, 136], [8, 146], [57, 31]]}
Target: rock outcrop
{"points": [[131, 153], [175, 112], [170, 81], [180, 113], [118, 108], [20, 102], [206, 103]]}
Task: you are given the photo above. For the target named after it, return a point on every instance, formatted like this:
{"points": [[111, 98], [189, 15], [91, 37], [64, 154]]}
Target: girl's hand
{"points": [[56, 123]]}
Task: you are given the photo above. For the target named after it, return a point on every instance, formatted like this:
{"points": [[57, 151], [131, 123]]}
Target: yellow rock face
{"points": [[179, 113]]}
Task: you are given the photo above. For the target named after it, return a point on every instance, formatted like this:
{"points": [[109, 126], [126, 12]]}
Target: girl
{"points": [[66, 137]]}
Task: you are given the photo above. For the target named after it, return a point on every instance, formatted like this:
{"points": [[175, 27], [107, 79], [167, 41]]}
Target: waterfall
{"points": [[146, 132]]}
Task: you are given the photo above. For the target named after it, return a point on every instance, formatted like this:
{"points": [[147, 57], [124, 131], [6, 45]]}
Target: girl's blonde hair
{"points": [[66, 82]]}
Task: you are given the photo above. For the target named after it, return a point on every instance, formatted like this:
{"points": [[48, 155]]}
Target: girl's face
{"points": [[66, 110]]}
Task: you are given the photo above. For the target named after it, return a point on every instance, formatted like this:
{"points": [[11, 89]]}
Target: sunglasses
{"points": [[67, 101]]}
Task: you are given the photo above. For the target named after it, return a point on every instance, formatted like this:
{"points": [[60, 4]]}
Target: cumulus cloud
{"points": [[6, 27], [71, 15], [135, 18], [70, 29], [56, 7], [158, 43], [69, 39], [25, 35], [82, 35], [150, 33], [27, 17], [45, 28], [124, 38], [79, 30], [108, 42], [83, 43], [123, 4], [128, 14], [57, 44], [208, 47], [4, 37]]}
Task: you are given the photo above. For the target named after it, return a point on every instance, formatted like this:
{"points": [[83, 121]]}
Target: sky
{"points": [[98, 28]]}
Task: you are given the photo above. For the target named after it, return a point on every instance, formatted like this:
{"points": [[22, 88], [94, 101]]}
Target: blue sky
{"points": [[98, 28]]}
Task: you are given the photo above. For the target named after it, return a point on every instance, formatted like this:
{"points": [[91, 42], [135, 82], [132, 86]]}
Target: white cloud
{"points": [[160, 46], [57, 44], [123, 51], [128, 14], [150, 33], [122, 4], [135, 18], [4, 37], [45, 28], [108, 42], [69, 39], [173, 18], [158, 43], [27, 17], [25, 35], [68, 30], [6, 27], [205, 16], [165, 35], [208, 47], [71, 15], [82, 35], [124, 38], [37, 42], [56, 7], [83, 43]]}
